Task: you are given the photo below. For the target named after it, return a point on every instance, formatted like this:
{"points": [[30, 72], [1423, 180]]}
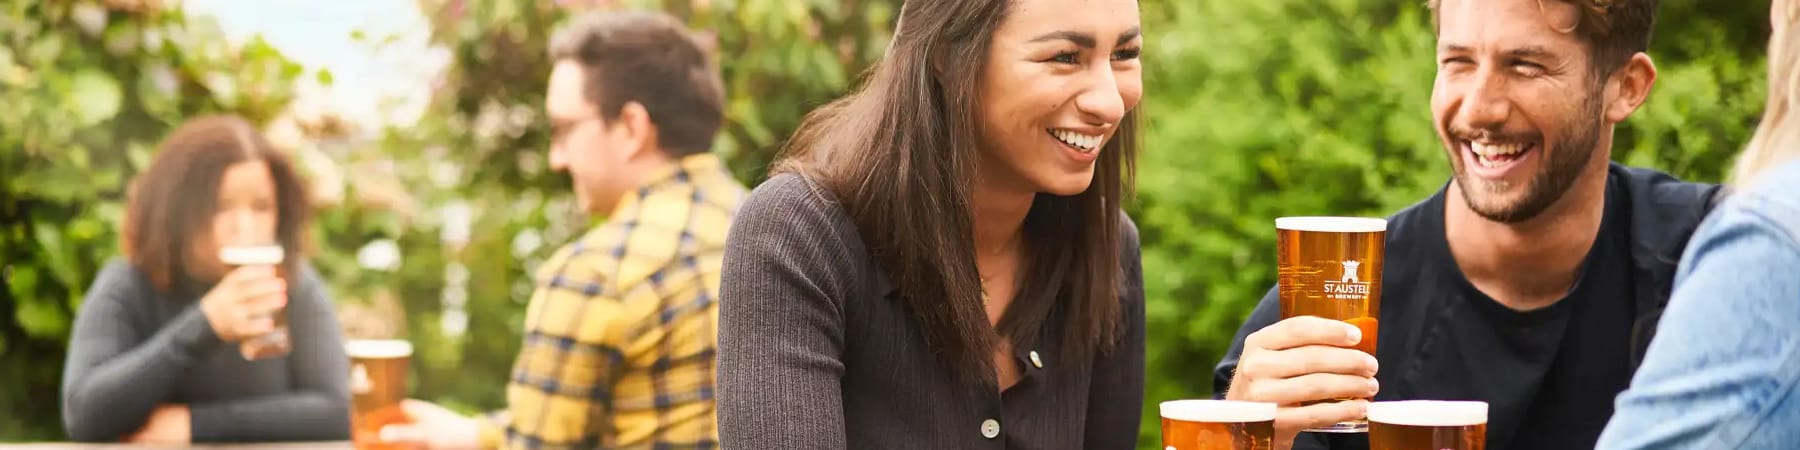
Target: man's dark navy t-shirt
{"points": [[1548, 375]]}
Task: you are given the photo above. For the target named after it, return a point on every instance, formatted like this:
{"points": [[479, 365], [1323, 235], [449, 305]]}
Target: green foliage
{"points": [[1285, 107], [1327, 118], [88, 91]]}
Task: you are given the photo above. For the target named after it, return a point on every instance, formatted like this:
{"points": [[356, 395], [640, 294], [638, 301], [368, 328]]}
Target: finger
{"points": [[420, 411], [1310, 359], [1294, 419], [246, 290], [1303, 331], [248, 273], [262, 287], [255, 326], [1313, 387], [402, 433], [264, 305], [416, 407]]}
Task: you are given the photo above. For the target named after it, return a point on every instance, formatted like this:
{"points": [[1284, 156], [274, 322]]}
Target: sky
{"points": [[317, 34]]}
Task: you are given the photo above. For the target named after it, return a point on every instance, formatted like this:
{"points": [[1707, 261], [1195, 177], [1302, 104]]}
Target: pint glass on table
{"points": [[1217, 425], [276, 342], [1427, 425], [377, 386], [1330, 267]]}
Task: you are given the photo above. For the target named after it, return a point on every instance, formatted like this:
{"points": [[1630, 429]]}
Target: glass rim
{"points": [[248, 255], [1217, 411], [1429, 413], [1332, 224], [378, 348]]}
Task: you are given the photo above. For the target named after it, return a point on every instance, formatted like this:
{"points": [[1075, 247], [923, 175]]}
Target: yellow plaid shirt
{"points": [[621, 334]]}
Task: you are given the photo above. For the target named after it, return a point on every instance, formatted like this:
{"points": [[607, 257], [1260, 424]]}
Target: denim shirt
{"points": [[1722, 370]]}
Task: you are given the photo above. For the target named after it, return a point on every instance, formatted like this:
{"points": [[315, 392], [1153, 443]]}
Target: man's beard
{"points": [[1574, 146]]}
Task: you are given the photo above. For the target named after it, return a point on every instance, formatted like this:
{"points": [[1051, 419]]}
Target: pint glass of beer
{"points": [[1217, 425], [377, 386], [276, 342], [1330, 267], [1428, 425]]}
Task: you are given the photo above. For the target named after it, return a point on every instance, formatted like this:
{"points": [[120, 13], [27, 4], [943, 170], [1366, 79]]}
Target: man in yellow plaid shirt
{"points": [[620, 335]]}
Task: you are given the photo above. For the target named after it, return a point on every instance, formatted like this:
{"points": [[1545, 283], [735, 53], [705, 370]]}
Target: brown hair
{"points": [[902, 148], [172, 203], [648, 58], [1613, 29]]}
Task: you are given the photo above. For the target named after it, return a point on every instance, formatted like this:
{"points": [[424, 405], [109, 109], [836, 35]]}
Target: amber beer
{"points": [[1217, 425], [377, 386], [1330, 267], [1427, 425], [276, 343]]}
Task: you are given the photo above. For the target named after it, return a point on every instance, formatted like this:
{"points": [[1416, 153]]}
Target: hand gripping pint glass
{"points": [[1330, 267]]}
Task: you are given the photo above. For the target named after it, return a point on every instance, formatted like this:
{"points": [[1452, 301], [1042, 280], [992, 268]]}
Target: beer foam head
{"points": [[1429, 413], [1218, 411], [260, 255], [1332, 224], [378, 348]]}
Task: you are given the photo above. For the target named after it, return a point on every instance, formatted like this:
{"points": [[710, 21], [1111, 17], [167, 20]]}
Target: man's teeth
{"points": [[1494, 150], [1492, 155], [1086, 143]]}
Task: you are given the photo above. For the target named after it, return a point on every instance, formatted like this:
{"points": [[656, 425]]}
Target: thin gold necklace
{"points": [[984, 291]]}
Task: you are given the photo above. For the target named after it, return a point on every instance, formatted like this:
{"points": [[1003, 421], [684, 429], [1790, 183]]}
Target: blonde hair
{"points": [[1777, 137]]}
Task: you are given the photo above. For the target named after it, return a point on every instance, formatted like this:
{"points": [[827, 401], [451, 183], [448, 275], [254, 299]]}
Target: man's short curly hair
{"points": [[1613, 29]]}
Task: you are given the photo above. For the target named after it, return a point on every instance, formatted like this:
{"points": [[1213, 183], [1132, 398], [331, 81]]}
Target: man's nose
{"points": [[1486, 106]]}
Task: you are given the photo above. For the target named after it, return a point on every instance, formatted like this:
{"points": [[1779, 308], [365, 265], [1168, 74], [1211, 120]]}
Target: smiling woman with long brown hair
{"points": [[940, 259], [171, 344]]}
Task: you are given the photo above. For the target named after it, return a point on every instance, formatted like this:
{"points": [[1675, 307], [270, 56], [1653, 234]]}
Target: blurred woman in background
{"points": [[168, 345], [941, 260], [1725, 365]]}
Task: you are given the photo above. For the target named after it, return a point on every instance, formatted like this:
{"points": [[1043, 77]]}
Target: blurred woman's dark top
{"points": [[134, 348]]}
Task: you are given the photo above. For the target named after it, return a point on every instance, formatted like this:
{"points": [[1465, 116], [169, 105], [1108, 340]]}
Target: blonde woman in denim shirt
{"points": [[1723, 369]]}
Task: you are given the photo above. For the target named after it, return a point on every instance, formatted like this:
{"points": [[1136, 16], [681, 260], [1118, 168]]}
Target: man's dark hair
{"points": [[651, 59], [1613, 29]]}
